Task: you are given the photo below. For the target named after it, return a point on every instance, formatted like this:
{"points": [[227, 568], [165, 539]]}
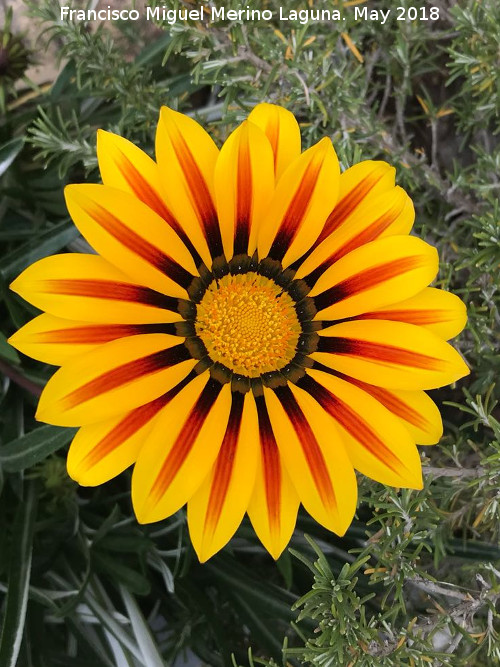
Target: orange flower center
{"points": [[248, 323]]}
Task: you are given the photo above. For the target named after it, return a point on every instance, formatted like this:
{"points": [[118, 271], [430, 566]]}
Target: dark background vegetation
{"points": [[416, 580]]}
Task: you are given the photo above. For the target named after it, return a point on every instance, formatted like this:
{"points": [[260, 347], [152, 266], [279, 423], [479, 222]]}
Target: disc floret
{"points": [[248, 323]]}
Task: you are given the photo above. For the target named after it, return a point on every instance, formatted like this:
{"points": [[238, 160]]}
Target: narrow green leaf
{"points": [[112, 626], [135, 581], [474, 549], [8, 153], [157, 562], [47, 243], [152, 51], [61, 84], [19, 579], [106, 525], [34, 447], [90, 638], [284, 565], [269, 597], [7, 351], [14, 225], [121, 657], [142, 633], [265, 634]]}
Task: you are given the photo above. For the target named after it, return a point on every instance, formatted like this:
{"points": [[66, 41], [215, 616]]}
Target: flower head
{"points": [[255, 327]]}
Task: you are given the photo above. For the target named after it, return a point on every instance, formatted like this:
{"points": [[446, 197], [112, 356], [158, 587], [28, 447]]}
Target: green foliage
{"points": [[350, 633], [416, 579], [14, 58]]}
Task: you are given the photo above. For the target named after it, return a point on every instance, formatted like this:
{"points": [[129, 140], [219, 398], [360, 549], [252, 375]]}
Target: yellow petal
{"points": [[87, 288], [186, 157], [389, 214], [376, 441], [218, 506], [314, 455], [181, 449], [395, 355], [55, 340], [438, 311], [113, 378], [125, 167], [304, 195], [102, 451], [132, 237], [377, 274], [274, 503], [365, 180], [282, 130], [244, 186], [417, 411]]}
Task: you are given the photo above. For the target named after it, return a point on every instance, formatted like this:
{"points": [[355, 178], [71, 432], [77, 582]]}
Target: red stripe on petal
{"points": [[143, 190], [378, 352], [367, 279], [100, 333], [200, 193], [272, 132], [294, 216], [418, 317], [224, 464], [351, 421], [271, 465], [393, 403], [108, 289], [369, 233], [126, 373], [185, 440], [139, 245], [348, 204], [244, 198], [310, 447], [130, 424]]}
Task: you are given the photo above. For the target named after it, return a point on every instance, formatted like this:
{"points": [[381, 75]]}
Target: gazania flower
{"points": [[255, 327]]}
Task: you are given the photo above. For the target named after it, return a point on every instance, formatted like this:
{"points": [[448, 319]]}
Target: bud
{"points": [[15, 58]]}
